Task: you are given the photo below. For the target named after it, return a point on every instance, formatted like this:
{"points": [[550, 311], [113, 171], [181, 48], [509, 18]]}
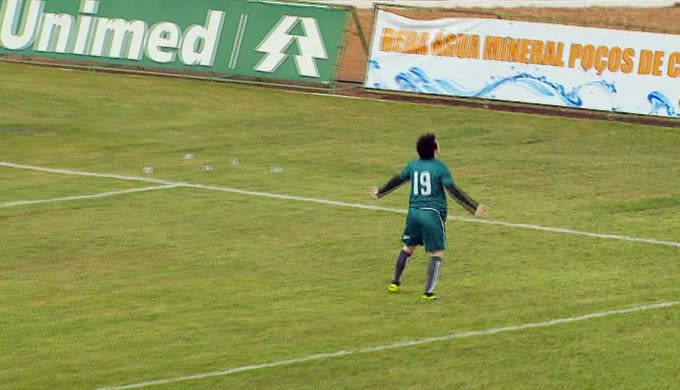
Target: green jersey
{"points": [[428, 180]]}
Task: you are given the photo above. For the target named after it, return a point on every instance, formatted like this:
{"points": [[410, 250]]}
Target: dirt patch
{"points": [[660, 20]]}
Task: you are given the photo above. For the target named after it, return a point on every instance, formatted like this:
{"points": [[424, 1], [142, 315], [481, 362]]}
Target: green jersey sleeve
{"points": [[405, 173], [447, 178]]}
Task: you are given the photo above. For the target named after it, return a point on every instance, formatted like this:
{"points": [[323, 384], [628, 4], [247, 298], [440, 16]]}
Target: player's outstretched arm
{"points": [[390, 186], [469, 204], [482, 211]]}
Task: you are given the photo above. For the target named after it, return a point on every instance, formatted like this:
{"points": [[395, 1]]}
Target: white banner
{"points": [[504, 3], [577, 67]]}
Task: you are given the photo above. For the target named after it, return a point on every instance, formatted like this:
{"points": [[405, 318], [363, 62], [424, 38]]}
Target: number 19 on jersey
{"points": [[422, 183]]}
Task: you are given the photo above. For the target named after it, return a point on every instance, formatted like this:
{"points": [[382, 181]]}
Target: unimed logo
{"points": [[29, 27], [279, 39], [112, 31]]}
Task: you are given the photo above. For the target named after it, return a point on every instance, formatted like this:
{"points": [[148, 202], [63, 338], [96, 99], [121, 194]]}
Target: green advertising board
{"points": [[238, 38]]}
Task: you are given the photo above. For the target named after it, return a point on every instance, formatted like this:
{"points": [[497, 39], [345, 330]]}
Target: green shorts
{"points": [[425, 227]]}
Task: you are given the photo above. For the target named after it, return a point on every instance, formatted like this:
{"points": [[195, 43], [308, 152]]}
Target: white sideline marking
{"points": [[399, 344], [80, 173], [574, 232], [342, 204], [90, 196]]}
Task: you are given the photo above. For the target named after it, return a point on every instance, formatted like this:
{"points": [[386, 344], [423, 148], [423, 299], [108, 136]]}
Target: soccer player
{"points": [[425, 222]]}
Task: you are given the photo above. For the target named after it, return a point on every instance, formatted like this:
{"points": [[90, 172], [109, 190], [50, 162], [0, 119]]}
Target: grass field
{"points": [[272, 273]]}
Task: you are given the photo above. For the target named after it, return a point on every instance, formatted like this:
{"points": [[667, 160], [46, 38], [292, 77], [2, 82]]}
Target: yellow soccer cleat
{"points": [[428, 298], [393, 287]]}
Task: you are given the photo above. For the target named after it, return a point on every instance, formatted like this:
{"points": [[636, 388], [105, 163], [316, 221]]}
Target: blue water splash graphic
{"points": [[661, 104], [417, 80], [374, 64]]}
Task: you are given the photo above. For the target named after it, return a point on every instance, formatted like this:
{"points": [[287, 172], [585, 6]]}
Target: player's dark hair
{"points": [[426, 146]]}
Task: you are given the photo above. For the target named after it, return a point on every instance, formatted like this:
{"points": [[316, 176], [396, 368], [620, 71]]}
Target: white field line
{"points": [[89, 196], [80, 173], [574, 232], [343, 204], [399, 344]]}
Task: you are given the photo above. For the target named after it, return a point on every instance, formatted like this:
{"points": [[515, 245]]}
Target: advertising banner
{"points": [[568, 66], [270, 40]]}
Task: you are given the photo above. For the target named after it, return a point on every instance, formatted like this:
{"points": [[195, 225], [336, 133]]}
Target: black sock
{"points": [[432, 274], [402, 260]]}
